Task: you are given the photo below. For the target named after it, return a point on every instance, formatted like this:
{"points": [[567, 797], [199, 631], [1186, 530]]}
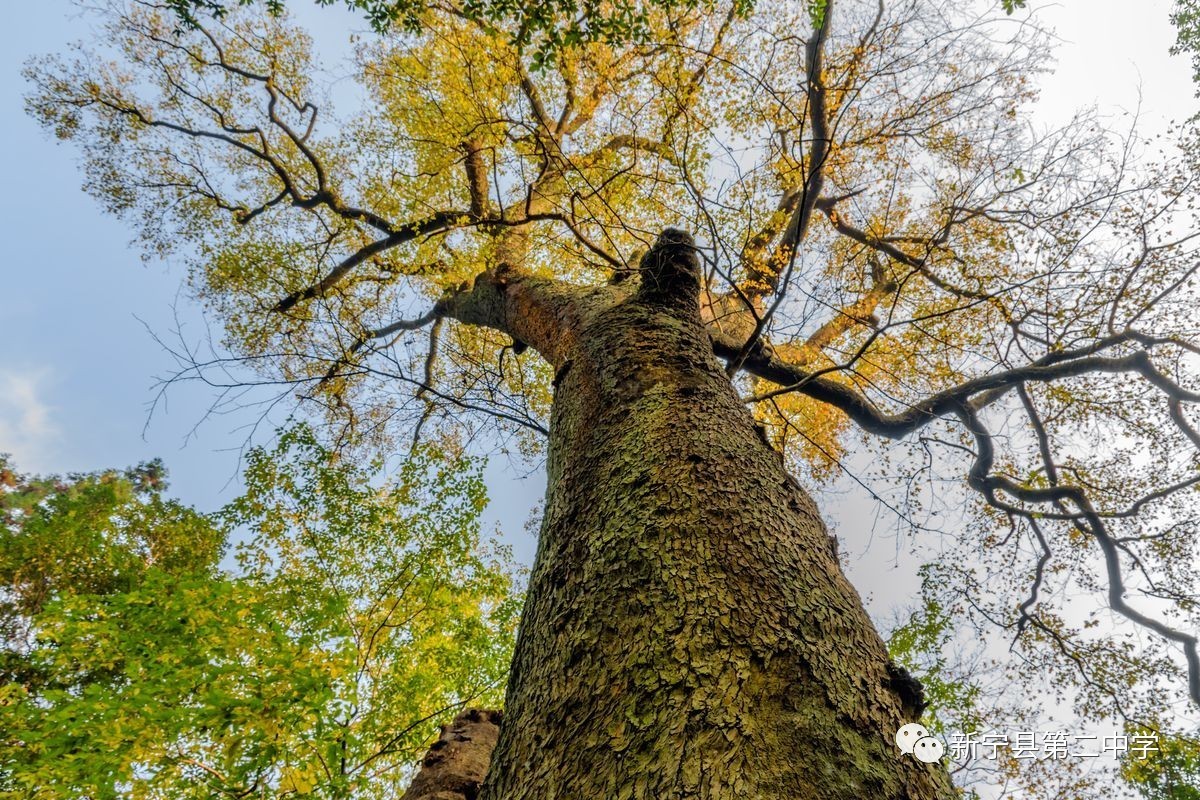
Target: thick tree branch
{"points": [[797, 203], [1087, 520], [457, 762], [860, 312], [775, 276], [441, 221], [973, 394], [964, 401], [477, 179]]}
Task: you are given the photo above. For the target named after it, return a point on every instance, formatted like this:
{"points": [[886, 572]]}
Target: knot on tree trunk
{"points": [[910, 690], [670, 271], [456, 764]]}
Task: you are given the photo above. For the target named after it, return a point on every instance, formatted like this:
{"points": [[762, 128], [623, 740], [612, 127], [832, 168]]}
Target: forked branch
{"points": [[1125, 353]]}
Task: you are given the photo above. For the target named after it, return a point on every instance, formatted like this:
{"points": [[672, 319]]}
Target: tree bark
{"points": [[688, 631], [455, 765]]}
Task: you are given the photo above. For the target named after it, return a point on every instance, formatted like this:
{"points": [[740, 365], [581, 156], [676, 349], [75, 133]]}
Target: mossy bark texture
{"points": [[688, 632]]}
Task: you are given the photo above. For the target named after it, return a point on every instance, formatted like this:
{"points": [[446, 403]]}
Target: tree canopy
{"points": [[890, 247], [548, 26], [358, 617]]}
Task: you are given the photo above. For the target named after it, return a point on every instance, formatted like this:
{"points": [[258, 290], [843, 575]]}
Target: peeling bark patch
{"points": [[455, 766]]}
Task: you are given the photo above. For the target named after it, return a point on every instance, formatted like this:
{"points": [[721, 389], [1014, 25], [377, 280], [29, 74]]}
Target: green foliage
{"points": [[920, 645], [545, 28], [1172, 773], [1186, 19], [551, 25], [360, 615], [93, 534], [816, 12]]}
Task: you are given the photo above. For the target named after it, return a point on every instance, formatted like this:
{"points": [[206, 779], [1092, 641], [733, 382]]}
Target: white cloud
{"points": [[26, 428]]}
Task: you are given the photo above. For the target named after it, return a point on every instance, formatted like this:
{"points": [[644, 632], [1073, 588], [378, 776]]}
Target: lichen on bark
{"points": [[687, 631]]}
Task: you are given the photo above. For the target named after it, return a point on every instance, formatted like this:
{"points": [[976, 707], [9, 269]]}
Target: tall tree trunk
{"points": [[688, 631]]}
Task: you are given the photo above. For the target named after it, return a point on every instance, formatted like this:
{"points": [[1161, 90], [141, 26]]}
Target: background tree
{"points": [[885, 246], [1171, 774], [358, 618]]}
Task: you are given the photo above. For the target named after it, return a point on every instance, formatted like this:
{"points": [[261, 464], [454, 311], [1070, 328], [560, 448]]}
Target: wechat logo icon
{"points": [[914, 740]]}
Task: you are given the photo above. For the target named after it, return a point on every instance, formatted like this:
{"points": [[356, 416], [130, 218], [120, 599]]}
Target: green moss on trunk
{"points": [[688, 632]]}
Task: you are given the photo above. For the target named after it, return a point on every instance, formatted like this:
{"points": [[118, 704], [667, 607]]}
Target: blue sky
{"points": [[77, 367], [75, 363], [78, 364]]}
